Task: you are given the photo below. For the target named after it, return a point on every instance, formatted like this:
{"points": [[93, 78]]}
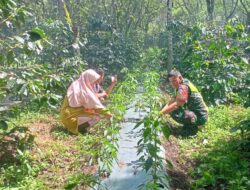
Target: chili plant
{"points": [[118, 101], [149, 146]]}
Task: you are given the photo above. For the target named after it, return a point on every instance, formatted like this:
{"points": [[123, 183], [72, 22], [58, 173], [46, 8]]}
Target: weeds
{"points": [[220, 162]]}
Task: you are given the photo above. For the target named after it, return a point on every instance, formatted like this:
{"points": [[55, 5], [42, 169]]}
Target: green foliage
{"points": [[43, 46], [118, 102], [36, 34], [149, 144], [216, 61], [38, 84], [16, 172], [16, 49], [12, 13], [59, 48], [39, 158], [223, 167], [149, 148], [16, 164], [222, 162], [17, 45], [79, 180], [243, 126], [14, 140], [109, 148], [152, 59], [109, 49]]}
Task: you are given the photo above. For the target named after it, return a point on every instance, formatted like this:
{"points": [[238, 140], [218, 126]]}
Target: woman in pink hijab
{"points": [[81, 106]]}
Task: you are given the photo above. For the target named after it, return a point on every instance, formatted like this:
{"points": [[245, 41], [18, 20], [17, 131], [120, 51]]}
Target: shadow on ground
{"points": [[182, 131], [59, 130], [179, 178]]}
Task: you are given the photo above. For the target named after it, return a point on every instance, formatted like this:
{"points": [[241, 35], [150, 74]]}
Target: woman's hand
{"points": [[90, 111], [102, 95], [114, 79], [104, 113]]}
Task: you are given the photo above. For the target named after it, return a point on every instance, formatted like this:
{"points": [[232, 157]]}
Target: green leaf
{"points": [[20, 152], [138, 124], [3, 125], [156, 123], [67, 14], [146, 133], [245, 60], [36, 34], [166, 131], [147, 122], [152, 150], [13, 3], [241, 27], [10, 57], [230, 29], [40, 32], [148, 163], [169, 164]]}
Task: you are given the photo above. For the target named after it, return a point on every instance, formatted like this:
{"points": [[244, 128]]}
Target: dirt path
{"points": [[179, 172]]}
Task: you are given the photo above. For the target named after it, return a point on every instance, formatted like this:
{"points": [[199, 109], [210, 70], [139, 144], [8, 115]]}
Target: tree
{"points": [[246, 9], [210, 10], [227, 14], [169, 35]]}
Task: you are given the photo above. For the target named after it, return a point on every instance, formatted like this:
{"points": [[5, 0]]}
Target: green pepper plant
{"points": [[118, 105], [149, 145]]}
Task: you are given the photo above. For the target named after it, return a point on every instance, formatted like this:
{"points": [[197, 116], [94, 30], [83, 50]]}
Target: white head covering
{"points": [[81, 92]]}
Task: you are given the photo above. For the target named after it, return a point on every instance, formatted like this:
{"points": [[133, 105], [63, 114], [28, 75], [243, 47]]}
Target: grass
{"points": [[56, 158], [221, 163]]}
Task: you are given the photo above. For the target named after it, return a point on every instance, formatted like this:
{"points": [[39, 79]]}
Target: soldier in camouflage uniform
{"points": [[187, 107]]}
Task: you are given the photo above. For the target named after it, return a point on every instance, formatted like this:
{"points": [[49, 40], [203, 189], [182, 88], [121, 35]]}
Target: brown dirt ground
{"points": [[60, 167], [179, 178]]}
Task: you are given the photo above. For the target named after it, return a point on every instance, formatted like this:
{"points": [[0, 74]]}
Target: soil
{"points": [[60, 165], [179, 177]]}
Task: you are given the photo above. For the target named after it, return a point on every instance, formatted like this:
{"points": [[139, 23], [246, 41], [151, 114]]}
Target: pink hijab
{"points": [[81, 92]]}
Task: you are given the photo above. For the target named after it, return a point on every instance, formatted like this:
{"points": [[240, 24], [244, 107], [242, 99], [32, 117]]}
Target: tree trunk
{"points": [[190, 10], [225, 9], [60, 8], [169, 36], [210, 10], [113, 14], [229, 14], [247, 12]]}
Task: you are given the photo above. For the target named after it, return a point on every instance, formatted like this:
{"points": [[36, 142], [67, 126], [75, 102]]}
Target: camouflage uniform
{"points": [[194, 111]]}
